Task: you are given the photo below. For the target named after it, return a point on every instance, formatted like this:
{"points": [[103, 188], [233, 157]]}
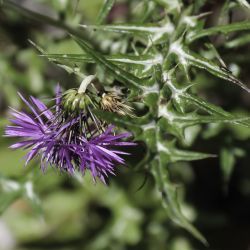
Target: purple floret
{"points": [[60, 142], [100, 154]]}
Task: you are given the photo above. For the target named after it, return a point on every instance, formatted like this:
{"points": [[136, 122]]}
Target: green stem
{"points": [[85, 83]]}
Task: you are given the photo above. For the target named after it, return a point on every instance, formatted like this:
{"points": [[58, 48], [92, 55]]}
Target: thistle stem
{"points": [[85, 83]]}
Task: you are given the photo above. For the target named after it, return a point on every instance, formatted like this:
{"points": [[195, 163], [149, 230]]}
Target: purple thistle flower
{"points": [[63, 142], [32, 128], [100, 153]]}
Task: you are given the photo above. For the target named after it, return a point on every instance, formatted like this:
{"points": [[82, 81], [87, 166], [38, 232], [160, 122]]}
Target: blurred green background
{"points": [[59, 212]]}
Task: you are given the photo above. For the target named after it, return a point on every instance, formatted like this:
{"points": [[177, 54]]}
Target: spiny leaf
{"points": [[133, 28], [214, 69], [189, 119], [182, 155], [69, 66], [186, 56], [223, 29], [213, 109], [170, 199], [150, 32], [120, 74], [176, 122], [119, 59], [183, 97], [173, 154]]}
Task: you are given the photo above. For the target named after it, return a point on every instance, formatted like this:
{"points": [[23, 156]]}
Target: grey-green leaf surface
{"points": [[118, 59]]}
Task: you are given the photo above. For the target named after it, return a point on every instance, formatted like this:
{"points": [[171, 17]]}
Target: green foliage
{"points": [[107, 6], [158, 60]]}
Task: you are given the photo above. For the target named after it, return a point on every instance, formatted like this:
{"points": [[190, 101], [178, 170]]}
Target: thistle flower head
{"points": [[74, 101], [68, 136]]}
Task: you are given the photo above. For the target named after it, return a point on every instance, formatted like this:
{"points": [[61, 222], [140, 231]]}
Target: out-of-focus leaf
{"points": [[227, 162], [244, 3], [42, 18], [223, 29], [10, 192], [198, 4], [144, 10], [238, 42], [228, 158], [32, 197], [174, 5], [107, 6]]}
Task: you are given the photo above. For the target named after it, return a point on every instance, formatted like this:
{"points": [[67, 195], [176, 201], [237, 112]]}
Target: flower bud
{"points": [[76, 102]]}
